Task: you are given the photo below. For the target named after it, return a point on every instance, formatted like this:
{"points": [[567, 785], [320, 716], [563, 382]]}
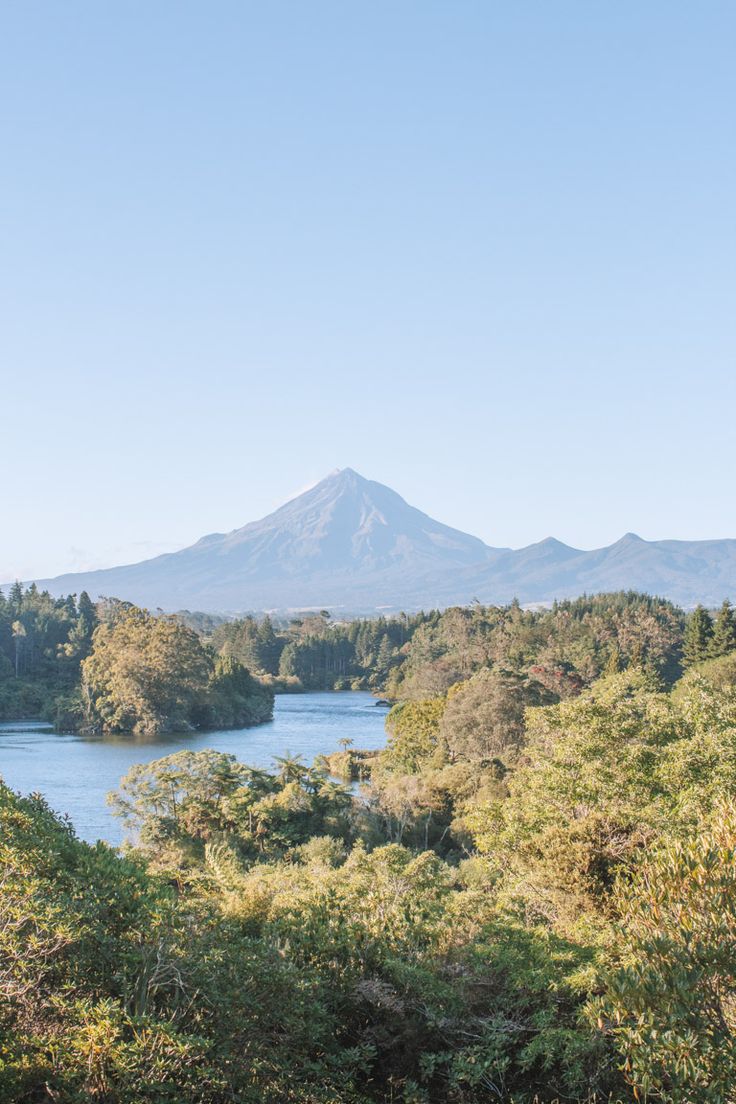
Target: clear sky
{"points": [[483, 252]]}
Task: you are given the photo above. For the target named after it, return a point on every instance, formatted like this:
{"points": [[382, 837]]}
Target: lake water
{"points": [[75, 773]]}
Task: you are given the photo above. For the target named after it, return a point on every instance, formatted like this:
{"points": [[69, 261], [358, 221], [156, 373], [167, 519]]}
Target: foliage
{"points": [[145, 674], [42, 643], [698, 638], [586, 797], [569, 645], [670, 997], [719, 672], [178, 805], [87, 966], [723, 640], [316, 653], [234, 698], [112, 989], [531, 899], [152, 674], [414, 733], [484, 717]]}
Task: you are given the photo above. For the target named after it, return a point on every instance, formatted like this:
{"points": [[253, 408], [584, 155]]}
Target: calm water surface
{"points": [[75, 773]]}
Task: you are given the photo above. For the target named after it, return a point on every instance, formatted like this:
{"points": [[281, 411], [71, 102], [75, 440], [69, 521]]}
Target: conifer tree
{"points": [[385, 653], [15, 597], [87, 611], [269, 649], [698, 635], [724, 631]]}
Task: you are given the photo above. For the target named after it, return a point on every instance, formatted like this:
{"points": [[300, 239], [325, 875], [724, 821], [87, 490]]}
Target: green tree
{"points": [[698, 637], [588, 794], [385, 655], [183, 795], [145, 674], [613, 663], [269, 647], [723, 640], [484, 717], [234, 698], [670, 1001], [292, 768], [414, 734]]}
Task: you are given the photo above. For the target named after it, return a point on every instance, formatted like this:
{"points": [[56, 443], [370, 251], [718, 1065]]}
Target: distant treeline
{"points": [[315, 653], [420, 655], [111, 665]]}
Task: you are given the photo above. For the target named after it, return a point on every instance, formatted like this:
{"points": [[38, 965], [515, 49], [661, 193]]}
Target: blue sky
{"points": [[481, 252]]}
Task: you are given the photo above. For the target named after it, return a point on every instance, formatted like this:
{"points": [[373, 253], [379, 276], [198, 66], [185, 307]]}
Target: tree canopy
{"points": [[530, 899]]}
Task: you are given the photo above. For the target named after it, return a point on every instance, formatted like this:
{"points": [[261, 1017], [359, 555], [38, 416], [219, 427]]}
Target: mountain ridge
{"points": [[355, 545]]}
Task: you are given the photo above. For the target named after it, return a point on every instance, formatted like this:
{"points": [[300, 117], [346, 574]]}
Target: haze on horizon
{"points": [[483, 256]]}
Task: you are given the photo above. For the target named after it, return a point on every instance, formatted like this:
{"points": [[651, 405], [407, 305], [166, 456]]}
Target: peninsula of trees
{"points": [[116, 668]]}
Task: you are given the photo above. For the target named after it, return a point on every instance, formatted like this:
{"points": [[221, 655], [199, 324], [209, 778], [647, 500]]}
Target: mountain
{"points": [[352, 545]]}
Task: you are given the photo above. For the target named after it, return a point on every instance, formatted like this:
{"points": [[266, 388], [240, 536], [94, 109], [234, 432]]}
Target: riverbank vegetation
{"points": [[533, 899], [415, 656], [43, 641], [150, 675], [113, 667], [45, 644]]}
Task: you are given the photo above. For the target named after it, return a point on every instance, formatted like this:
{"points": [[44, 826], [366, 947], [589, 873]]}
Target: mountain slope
{"points": [[348, 542], [687, 572], [354, 545]]}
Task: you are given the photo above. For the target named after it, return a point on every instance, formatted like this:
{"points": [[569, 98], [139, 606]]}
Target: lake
{"points": [[75, 773]]}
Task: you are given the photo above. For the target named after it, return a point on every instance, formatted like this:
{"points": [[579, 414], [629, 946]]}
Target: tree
{"points": [[292, 768], [723, 640], [152, 674], [720, 672], [484, 717], [385, 655], [145, 674], [288, 666], [414, 733], [269, 647], [183, 794], [588, 794], [19, 632], [234, 698], [87, 612], [79, 642], [15, 597], [613, 663], [670, 1001], [698, 635]]}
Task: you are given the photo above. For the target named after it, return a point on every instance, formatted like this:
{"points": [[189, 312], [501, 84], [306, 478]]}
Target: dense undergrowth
{"points": [[532, 899]]}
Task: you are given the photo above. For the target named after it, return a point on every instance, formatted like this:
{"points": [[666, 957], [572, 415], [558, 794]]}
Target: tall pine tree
{"points": [[723, 640], [698, 636]]}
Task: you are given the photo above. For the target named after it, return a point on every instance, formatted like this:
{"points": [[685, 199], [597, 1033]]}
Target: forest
{"points": [[113, 667], [531, 899], [413, 655]]}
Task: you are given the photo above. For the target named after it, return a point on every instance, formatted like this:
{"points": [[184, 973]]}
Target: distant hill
{"points": [[352, 545]]}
